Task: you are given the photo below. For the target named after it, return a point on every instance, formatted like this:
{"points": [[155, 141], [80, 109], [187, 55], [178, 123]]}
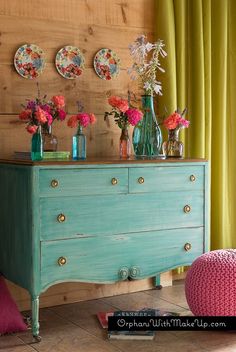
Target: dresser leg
{"points": [[35, 317], [157, 282]]}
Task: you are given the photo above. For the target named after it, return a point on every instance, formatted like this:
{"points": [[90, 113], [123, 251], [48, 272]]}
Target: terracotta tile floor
{"points": [[75, 327]]}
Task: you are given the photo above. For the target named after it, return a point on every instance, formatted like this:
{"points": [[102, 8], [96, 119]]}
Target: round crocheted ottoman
{"points": [[210, 285]]}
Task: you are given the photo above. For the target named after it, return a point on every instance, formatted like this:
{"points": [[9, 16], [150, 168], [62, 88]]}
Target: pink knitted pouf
{"points": [[210, 285]]}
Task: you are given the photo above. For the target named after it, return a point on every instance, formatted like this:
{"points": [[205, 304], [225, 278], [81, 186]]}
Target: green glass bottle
{"points": [[147, 136], [37, 145]]}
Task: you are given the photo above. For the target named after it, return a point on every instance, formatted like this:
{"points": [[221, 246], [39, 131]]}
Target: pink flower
{"points": [[32, 129], [72, 121], [84, 119], [25, 114], [92, 118], [120, 104], [41, 115], [184, 123], [172, 121], [134, 116], [49, 118], [61, 114], [59, 101]]}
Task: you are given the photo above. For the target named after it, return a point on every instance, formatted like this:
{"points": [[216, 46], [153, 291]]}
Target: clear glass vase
{"points": [[49, 140], [37, 145], [147, 136], [173, 148], [79, 145], [125, 144]]}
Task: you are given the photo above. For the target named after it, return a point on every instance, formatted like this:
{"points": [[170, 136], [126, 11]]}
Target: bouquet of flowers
{"points": [[82, 119], [40, 112], [176, 121], [146, 63], [122, 113]]}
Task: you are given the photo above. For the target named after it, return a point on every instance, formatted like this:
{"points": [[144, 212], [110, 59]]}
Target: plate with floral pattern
{"points": [[106, 64], [70, 62], [29, 61]]}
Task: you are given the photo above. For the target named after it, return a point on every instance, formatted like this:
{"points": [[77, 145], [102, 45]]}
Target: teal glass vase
{"points": [[37, 145], [79, 145], [147, 136]]}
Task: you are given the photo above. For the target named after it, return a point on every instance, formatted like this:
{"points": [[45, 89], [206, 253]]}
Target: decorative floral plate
{"points": [[29, 61], [106, 64], [70, 62]]}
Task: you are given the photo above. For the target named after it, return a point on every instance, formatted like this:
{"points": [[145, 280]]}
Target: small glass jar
{"points": [[79, 145], [125, 144], [173, 148], [49, 139]]}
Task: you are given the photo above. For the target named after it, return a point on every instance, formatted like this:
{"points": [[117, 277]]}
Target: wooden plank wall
{"points": [[52, 24]]}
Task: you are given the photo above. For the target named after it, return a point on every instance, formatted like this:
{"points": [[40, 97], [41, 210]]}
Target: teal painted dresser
{"points": [[99, 221]]}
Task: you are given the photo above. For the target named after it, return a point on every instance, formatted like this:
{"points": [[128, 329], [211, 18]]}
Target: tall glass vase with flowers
{"points": [[173, 147], [39, 114], [80, 120], [147, 136], [124, 116]]}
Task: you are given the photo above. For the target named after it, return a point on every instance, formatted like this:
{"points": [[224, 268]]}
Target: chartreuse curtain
{"points": [[200, 39]]}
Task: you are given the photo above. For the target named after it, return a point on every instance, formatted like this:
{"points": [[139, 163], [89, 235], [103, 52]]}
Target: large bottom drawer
{"points": [[112, 258]]}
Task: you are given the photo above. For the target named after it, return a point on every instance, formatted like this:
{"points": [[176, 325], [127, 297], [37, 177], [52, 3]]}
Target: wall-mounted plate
{"points": [[106, 64], [29, 61], [69, 62]]}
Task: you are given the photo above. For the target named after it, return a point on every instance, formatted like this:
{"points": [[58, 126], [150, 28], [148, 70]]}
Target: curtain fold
{"points": [[201, 75]]}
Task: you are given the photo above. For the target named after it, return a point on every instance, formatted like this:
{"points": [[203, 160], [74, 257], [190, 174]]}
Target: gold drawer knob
{"points": [[187, 209], [54, 183], [192, 178], [62, 261], [114, 181], [61, 218], [187, 247], [141, 180]]}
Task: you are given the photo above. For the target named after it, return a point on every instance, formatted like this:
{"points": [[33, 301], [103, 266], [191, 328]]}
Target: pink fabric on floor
{"points": [[210, 285], [10, 317]]}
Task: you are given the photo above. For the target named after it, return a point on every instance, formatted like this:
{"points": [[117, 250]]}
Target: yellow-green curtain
{"points": [[200, 38]]}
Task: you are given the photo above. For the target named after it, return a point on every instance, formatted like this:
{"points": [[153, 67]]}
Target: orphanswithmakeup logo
{"points": [[170, 323]]}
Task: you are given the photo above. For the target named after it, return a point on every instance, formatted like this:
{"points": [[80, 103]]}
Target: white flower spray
{"points": [[147, 70]]}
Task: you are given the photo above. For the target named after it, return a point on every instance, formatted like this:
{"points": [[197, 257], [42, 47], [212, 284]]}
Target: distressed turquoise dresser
{"points": [[99, 221]]}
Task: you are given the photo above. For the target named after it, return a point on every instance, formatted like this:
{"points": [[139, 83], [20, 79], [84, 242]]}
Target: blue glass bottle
{"points": [[79, 145], [147, 136], [37, 145]]}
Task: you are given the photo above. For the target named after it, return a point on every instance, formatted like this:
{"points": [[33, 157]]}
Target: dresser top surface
{"points": [[101, 161]]}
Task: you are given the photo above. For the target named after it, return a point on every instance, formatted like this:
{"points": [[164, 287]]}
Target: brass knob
{"points": [[187, 209], [192, 178], [54, 183], [114, 181], [134, 272], [187, 247], [61, 218], [123, 273], [62, 261], [141, 180]]}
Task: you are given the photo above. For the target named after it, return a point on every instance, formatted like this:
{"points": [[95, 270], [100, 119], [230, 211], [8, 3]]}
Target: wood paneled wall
{"points": [[52, 24], [89, 25]]}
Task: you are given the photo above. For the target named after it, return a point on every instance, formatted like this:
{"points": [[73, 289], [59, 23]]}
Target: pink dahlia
{"points": [[61, 114], [172, 121], [41, 115], [72, 121], [134, 116], [59, 101], [184, 123], [120, 104], [25, 114], [32, 129], [83, 119]]}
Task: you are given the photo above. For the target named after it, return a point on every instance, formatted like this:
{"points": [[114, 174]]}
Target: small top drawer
{"points": [[168, 178], [56, 182]]}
